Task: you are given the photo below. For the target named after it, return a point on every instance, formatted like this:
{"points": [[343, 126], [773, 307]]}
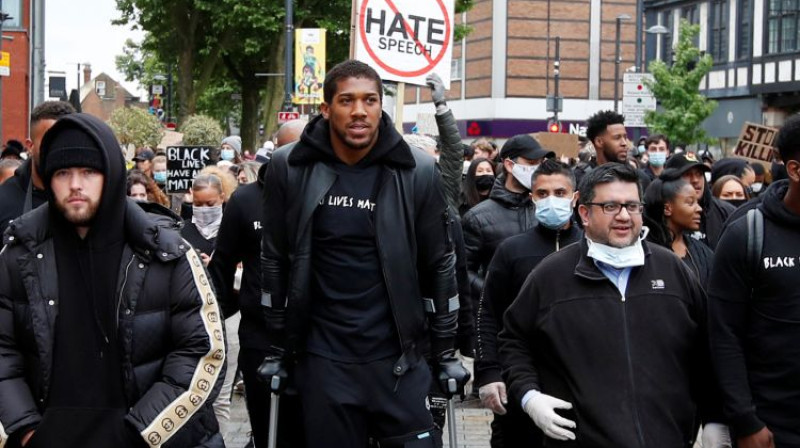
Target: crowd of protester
{"points": [[634, 295]]}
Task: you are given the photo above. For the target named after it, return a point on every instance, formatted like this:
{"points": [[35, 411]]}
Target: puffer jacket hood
{"points": [[315, 145], [106, 225], [773, 207]]}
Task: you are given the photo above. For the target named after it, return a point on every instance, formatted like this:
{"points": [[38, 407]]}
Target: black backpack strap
{"points": [[755, 239]]}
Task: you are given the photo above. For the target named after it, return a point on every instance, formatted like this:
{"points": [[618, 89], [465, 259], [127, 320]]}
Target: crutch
{"points": [[452, 388], [274, 403]]}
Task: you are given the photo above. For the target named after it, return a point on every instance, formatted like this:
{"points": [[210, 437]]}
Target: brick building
{"points": [[16, 96], [102, 95], [503, 70]]}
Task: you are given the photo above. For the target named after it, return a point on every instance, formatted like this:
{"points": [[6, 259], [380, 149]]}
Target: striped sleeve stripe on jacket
{"points": [[177, 413]]}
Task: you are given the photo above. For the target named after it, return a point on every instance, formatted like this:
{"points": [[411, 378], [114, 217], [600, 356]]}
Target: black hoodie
{"points": [[86, 405], [239, 240], [754, 316]]}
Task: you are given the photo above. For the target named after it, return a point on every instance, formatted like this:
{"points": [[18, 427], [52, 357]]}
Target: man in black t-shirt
{"points": [[358, 281]]}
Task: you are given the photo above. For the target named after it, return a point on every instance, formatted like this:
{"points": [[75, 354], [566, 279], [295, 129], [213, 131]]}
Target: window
{"points": [[782, 26], [718, 42], [14, 10], [691, 14], [456, 69], [100, 88], [666, 38], [744, 33]]}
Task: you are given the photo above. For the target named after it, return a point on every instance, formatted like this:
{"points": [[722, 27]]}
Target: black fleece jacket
{"points": [[635, 367], [513, 261], [755, 323]]}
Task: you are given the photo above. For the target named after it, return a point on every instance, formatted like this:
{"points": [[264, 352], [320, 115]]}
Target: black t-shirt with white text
{"points": [[351, 316]]}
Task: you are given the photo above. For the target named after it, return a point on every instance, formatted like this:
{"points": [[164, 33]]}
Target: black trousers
{"points": [[346, 405], [290, 426]]}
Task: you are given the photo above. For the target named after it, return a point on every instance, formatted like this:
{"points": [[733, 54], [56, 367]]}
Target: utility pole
{"points": [[38, 52], [557, 77], [288, 79], [169, 93]]}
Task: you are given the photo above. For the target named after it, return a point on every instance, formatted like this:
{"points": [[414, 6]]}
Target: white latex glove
{"points": [[541, 408], [494, 397], [716, 435]]}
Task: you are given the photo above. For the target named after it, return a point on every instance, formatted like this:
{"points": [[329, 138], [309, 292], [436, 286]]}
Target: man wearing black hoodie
{"points": [[110, 334], [356, 249], [754, 310], [25, 191]]}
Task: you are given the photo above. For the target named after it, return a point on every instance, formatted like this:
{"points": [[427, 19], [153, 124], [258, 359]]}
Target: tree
{"points": [[134, 126], [677, 89], [201, 130]]}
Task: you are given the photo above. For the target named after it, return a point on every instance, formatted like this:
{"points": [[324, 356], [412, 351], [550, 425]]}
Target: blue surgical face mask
{"points": [[641, 149], [227, 154], [658, 158], [553, 212], [160, 177]]}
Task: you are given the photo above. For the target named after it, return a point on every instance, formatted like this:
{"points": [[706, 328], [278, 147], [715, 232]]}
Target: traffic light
{"points": [[553, 125]]}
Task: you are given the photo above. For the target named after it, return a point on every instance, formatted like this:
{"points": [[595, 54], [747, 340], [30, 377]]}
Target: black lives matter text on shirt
{"points": [[351, 316], [183, 164]]}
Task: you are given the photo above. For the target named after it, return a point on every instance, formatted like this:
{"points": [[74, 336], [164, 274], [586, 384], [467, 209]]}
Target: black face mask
{"points": [[484, 182], [736, 202]]}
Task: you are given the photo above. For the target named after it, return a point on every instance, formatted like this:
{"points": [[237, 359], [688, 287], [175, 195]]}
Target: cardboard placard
{"points": [[756, 144], [561, 144], [183, 164]]}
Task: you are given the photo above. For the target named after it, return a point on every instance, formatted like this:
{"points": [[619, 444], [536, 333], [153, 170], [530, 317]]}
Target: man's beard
{"points": [[356, 146], [79, 218]]}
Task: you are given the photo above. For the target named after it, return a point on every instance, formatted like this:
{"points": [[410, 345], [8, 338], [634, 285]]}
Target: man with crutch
{"points": [[358, 282]]}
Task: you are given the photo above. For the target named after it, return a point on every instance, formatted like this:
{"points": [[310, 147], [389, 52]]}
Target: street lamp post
{"points": [[658, 30], [288, 77], [617, 59]]}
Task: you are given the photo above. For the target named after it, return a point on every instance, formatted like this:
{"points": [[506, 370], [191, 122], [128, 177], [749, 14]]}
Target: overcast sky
{"points": [[78, 31]]}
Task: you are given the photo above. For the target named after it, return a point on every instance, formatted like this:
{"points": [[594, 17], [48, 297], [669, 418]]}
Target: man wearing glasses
{"points": [[606, 343]]}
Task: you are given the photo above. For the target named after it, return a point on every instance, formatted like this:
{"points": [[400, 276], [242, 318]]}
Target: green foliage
{"points": [[201, 130], [134, 126], [677, 89]]}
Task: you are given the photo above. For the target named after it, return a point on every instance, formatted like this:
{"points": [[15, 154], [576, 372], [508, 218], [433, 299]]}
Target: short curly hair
{"points": [[597, 123], [788, 140], [349, 69], [51, 110]]}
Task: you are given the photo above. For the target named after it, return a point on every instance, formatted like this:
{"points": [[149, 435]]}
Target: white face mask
{"points": [[619, 257], [207, 220], [523, 174], [707, 176], [757, 186]]}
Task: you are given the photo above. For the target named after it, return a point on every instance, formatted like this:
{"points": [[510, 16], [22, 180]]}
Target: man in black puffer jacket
{"points": [[509, 210], [754, 311], [110, 333]]}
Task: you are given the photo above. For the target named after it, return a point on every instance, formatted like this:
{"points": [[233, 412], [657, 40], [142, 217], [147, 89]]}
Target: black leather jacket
{"points": [[412, 233]]}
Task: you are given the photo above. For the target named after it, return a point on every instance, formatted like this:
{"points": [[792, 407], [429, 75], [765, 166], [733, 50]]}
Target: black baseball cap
{"points": [[144, 155], [526, 146], [679, 164]]}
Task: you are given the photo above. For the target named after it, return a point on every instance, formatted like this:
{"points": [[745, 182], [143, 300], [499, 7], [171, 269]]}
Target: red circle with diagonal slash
{"points": [[431, 62]]}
